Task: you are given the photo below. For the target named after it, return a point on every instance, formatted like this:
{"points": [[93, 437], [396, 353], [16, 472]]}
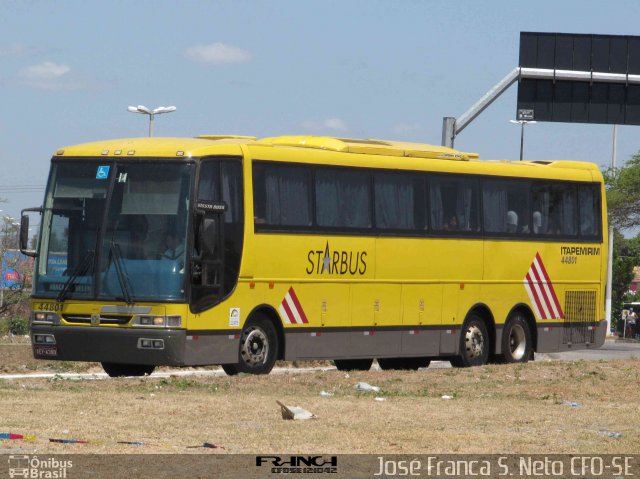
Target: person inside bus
{"points": [[174, 245], [512, 221], [537, 224], [553, 222], [452, 224]]}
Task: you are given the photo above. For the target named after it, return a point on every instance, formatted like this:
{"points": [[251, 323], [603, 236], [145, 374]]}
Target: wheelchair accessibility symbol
{"points": [[103, 172]]}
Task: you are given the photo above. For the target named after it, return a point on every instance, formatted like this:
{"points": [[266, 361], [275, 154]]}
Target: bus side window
{"points": [[506, 206], [281, 195], [454, 204], [558, 207], [588, 201], [399, 201], [343, 198]]}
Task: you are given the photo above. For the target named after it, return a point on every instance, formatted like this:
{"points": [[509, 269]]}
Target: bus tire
{"points": [[258, 348], [353, 364], [516, 340], [474, 344], [407, 364], [116, 370]]}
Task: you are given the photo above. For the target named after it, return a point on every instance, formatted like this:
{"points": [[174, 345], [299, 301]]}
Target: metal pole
{"points": [[448, 131], [151, 124], [608, 292], [521, 138]]}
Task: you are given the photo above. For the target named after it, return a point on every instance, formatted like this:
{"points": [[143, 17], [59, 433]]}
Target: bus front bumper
{"points": [[157, 347], [118, 345]]}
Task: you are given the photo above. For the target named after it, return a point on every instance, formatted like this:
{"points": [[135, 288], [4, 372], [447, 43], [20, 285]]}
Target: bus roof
{"points": [[170, 146], [229, 144], [369, 146]]}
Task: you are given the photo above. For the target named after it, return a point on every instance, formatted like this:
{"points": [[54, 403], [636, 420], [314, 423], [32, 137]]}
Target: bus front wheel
{"points": [[474, 344], [258, 349], [116, 370], [516, 340]]}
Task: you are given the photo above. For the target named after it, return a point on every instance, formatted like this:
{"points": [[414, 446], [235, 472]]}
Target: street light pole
{"points": [[522, 123], [152, 113], [609, 287]]}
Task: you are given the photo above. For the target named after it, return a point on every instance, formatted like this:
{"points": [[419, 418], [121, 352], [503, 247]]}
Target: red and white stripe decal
{"points": [[541, 292], [291, 310]]}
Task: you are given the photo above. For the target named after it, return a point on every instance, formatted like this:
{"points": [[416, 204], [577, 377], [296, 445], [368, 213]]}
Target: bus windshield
{"points": [[114, 231]]}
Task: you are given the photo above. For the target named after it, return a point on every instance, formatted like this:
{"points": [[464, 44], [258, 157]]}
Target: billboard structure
{"points": [[580, 78], [565, 77]]}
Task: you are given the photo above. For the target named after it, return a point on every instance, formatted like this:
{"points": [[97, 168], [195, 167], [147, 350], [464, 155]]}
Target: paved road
{"points": [[610, 350]]}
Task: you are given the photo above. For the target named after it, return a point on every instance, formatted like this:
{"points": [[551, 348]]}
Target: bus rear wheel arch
{"points": [[258, 348], [475, 343]]}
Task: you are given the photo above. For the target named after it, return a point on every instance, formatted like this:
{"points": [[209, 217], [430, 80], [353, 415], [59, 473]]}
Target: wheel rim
{"points": [[517, 342], [255, 346], [474, 341]]}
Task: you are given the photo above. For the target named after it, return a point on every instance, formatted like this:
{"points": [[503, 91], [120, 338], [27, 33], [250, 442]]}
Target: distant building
{"points": [[635, 282]]}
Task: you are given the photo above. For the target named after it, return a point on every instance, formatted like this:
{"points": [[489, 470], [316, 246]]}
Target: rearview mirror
{"points": [[24, 232]]}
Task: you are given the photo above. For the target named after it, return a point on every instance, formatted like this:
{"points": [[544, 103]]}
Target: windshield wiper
{"points": [[116, 254], [80, 269]]}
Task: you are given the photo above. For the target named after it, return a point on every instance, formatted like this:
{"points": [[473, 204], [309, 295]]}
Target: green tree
{"points": [[623, 194], [623, 207]]}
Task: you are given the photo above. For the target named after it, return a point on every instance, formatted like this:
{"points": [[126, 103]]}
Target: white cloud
{"points": [[45, 71], [48, 76], [217, 54], [330, 124]]}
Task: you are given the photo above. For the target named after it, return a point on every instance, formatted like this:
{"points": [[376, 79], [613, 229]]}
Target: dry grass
{"points": [[495, 409]]}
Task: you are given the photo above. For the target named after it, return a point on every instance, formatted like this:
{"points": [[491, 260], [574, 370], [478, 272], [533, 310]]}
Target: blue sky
{"points": [[364, 69]]}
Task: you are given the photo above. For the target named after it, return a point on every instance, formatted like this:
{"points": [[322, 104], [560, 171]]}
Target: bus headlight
{"points": [[158, 321], [174, 321], [40, 317]]}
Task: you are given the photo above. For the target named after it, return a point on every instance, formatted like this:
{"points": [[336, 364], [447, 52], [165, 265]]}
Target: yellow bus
{"points": [[238, 251]]}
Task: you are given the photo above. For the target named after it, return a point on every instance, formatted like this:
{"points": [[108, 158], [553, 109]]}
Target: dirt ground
{"points": [[541, 407]]}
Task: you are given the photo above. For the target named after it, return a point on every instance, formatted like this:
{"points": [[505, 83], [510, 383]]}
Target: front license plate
{"points": [[46, 350]]}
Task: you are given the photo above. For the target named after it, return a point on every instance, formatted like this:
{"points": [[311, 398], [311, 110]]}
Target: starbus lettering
{"points": [[336, 262]]}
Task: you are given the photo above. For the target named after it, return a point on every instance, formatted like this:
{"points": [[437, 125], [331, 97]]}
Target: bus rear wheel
{"points": [[474, 344], [353, 364], [116, 370], [258, 348], [407, 364], [516, 340]]}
